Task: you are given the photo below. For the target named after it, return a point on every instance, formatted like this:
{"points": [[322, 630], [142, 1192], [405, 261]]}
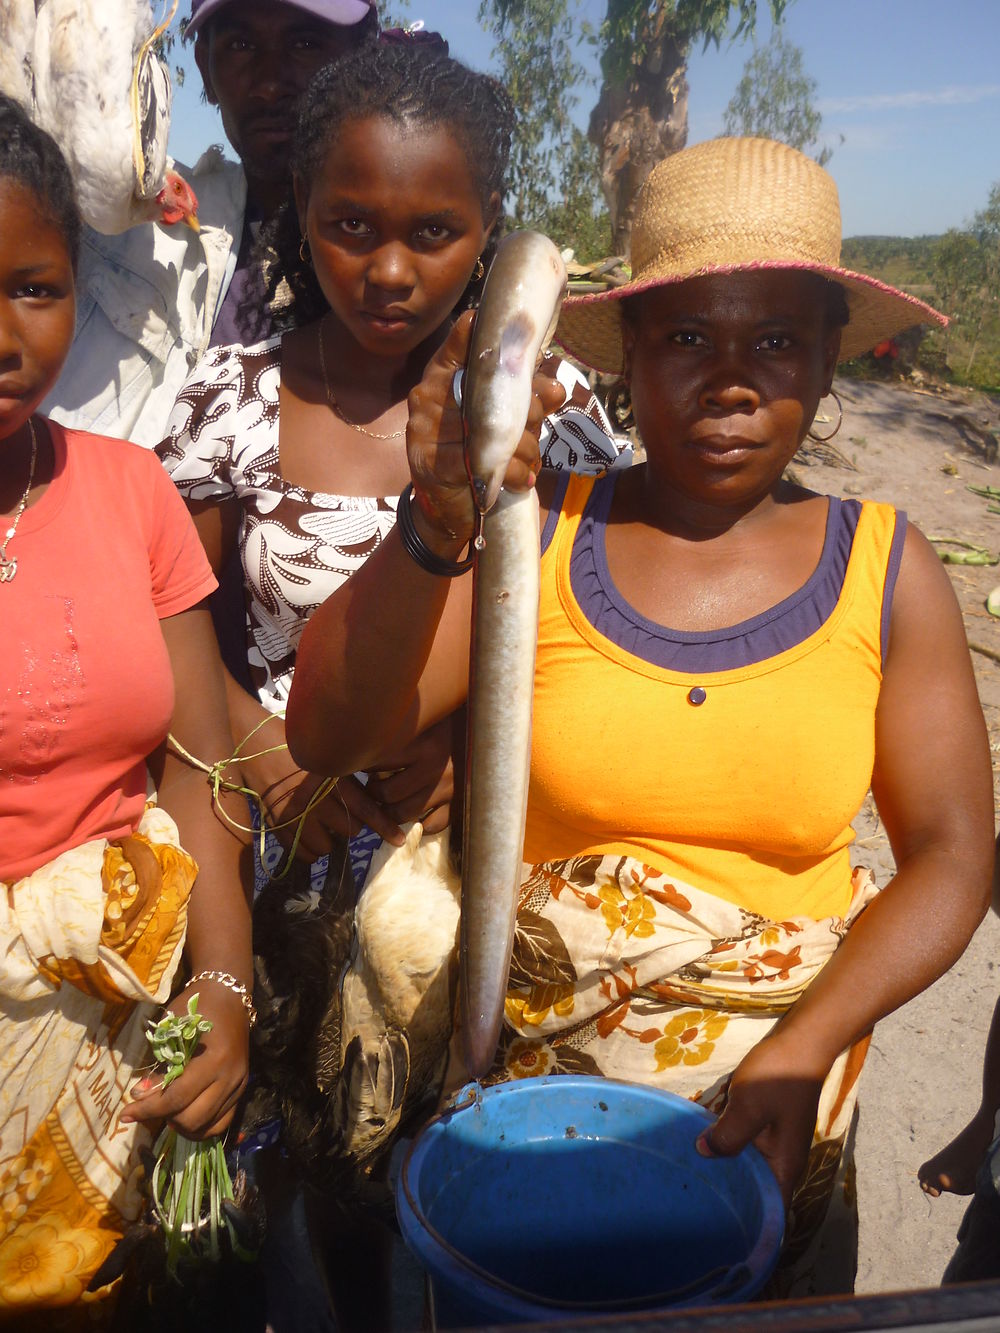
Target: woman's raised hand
{"points": [[386, 656], [434, 444]]}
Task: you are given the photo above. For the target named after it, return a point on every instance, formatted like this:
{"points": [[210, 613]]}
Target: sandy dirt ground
{"points": [[921, 450]]}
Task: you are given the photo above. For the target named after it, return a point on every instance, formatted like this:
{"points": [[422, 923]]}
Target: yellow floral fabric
{"points": [[90, 944], [618, 970]]}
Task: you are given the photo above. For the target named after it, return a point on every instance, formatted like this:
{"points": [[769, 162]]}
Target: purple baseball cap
{"points": [[344, 12]]}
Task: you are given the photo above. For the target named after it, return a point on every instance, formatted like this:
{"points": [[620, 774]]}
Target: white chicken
{"points": [[87, 72], [397, 990]]}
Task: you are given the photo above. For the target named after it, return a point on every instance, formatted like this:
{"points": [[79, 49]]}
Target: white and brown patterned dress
{"points": [[298, 546]]}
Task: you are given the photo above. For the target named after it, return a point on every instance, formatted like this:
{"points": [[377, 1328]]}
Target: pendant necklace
{"points": [[8, 564], [338, 411]]}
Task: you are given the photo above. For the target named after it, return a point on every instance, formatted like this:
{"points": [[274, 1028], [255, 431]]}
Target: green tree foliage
{"points": [[959, 273], [553, 169], [774, 99], [577, 217], [970, 261], [388, 16], [629, 26], [986, 229], [900, 260], [164, 45], [640, 116]]}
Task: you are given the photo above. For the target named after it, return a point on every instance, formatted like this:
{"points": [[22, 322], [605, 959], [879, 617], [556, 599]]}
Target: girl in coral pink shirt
{"points": [[104, 896]]}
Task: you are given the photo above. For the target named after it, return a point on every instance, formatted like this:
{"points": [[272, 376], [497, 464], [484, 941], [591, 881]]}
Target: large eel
{"points": [[516, 319]]}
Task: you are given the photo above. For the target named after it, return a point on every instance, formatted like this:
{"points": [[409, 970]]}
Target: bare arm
{"points": [[268, 769], [202, 1100], [933, 785], [366, 679], [387, 655]]}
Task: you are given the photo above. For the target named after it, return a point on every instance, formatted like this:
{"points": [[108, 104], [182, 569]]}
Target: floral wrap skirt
{"points": [[619, 971], [90, 943]]}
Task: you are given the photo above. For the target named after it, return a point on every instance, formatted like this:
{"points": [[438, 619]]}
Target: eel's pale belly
{"points": [[505, 631]]}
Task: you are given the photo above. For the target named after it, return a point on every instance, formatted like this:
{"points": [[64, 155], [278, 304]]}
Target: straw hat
{"points": [[728, 205]]}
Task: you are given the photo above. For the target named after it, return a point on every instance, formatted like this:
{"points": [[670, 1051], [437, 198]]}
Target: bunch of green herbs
{"points": [[190, 1180]]}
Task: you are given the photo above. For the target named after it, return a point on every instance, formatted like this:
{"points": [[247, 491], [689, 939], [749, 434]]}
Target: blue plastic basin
{"points": [[548, 1197]]}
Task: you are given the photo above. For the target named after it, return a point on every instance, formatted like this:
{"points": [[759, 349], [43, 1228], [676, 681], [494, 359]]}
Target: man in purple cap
{"points": [[151, 301], [255, 58]]}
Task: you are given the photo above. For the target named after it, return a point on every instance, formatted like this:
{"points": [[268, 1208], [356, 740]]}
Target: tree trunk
{"points": [[639, 120]]}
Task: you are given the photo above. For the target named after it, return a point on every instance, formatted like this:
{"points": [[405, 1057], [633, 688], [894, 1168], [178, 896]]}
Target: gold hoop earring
{"points": [[479, 272], [304, 252], [822, 439]]}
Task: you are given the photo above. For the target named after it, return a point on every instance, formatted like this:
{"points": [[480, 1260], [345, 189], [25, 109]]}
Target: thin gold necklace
{"points": [[339, 411], [8, 564]]}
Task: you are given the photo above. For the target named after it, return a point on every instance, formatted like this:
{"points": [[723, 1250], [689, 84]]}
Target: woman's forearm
{"points": [[378, 662], [388, 654], [219, 914], [218, 935], [907, 938], [245, 713]]}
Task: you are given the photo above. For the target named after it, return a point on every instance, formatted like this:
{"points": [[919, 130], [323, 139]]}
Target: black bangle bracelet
{"points": [[415, 546]]}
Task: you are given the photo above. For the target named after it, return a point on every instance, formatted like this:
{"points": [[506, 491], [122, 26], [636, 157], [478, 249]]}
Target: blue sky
{"points": [[912, 85]]}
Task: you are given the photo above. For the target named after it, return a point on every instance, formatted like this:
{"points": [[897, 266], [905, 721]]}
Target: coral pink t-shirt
{"points": [[86, 687]]}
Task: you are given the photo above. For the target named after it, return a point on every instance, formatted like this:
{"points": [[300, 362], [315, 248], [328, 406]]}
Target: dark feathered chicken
{"points": [[355, 1009]]}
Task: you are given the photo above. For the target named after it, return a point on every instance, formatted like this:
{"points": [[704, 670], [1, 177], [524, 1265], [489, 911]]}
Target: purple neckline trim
{"points": [[773, 631]]}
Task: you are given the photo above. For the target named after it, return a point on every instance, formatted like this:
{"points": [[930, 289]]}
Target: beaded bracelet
{"points": [[237, 987], [415, 546]]}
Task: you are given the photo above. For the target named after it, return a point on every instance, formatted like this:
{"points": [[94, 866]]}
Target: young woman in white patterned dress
{"points": [[295, 450]]}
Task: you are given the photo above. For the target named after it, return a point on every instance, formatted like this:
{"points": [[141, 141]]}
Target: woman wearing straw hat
{"points": [[727, 662]]}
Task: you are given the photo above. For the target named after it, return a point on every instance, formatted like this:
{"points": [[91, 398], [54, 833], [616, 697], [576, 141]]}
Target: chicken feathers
{"points": [[86, 71], [17, 35], [355, 1011], [398, 985]]}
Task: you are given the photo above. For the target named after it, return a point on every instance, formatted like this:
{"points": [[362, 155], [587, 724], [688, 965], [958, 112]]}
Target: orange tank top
{"points": [[741, 780]]}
